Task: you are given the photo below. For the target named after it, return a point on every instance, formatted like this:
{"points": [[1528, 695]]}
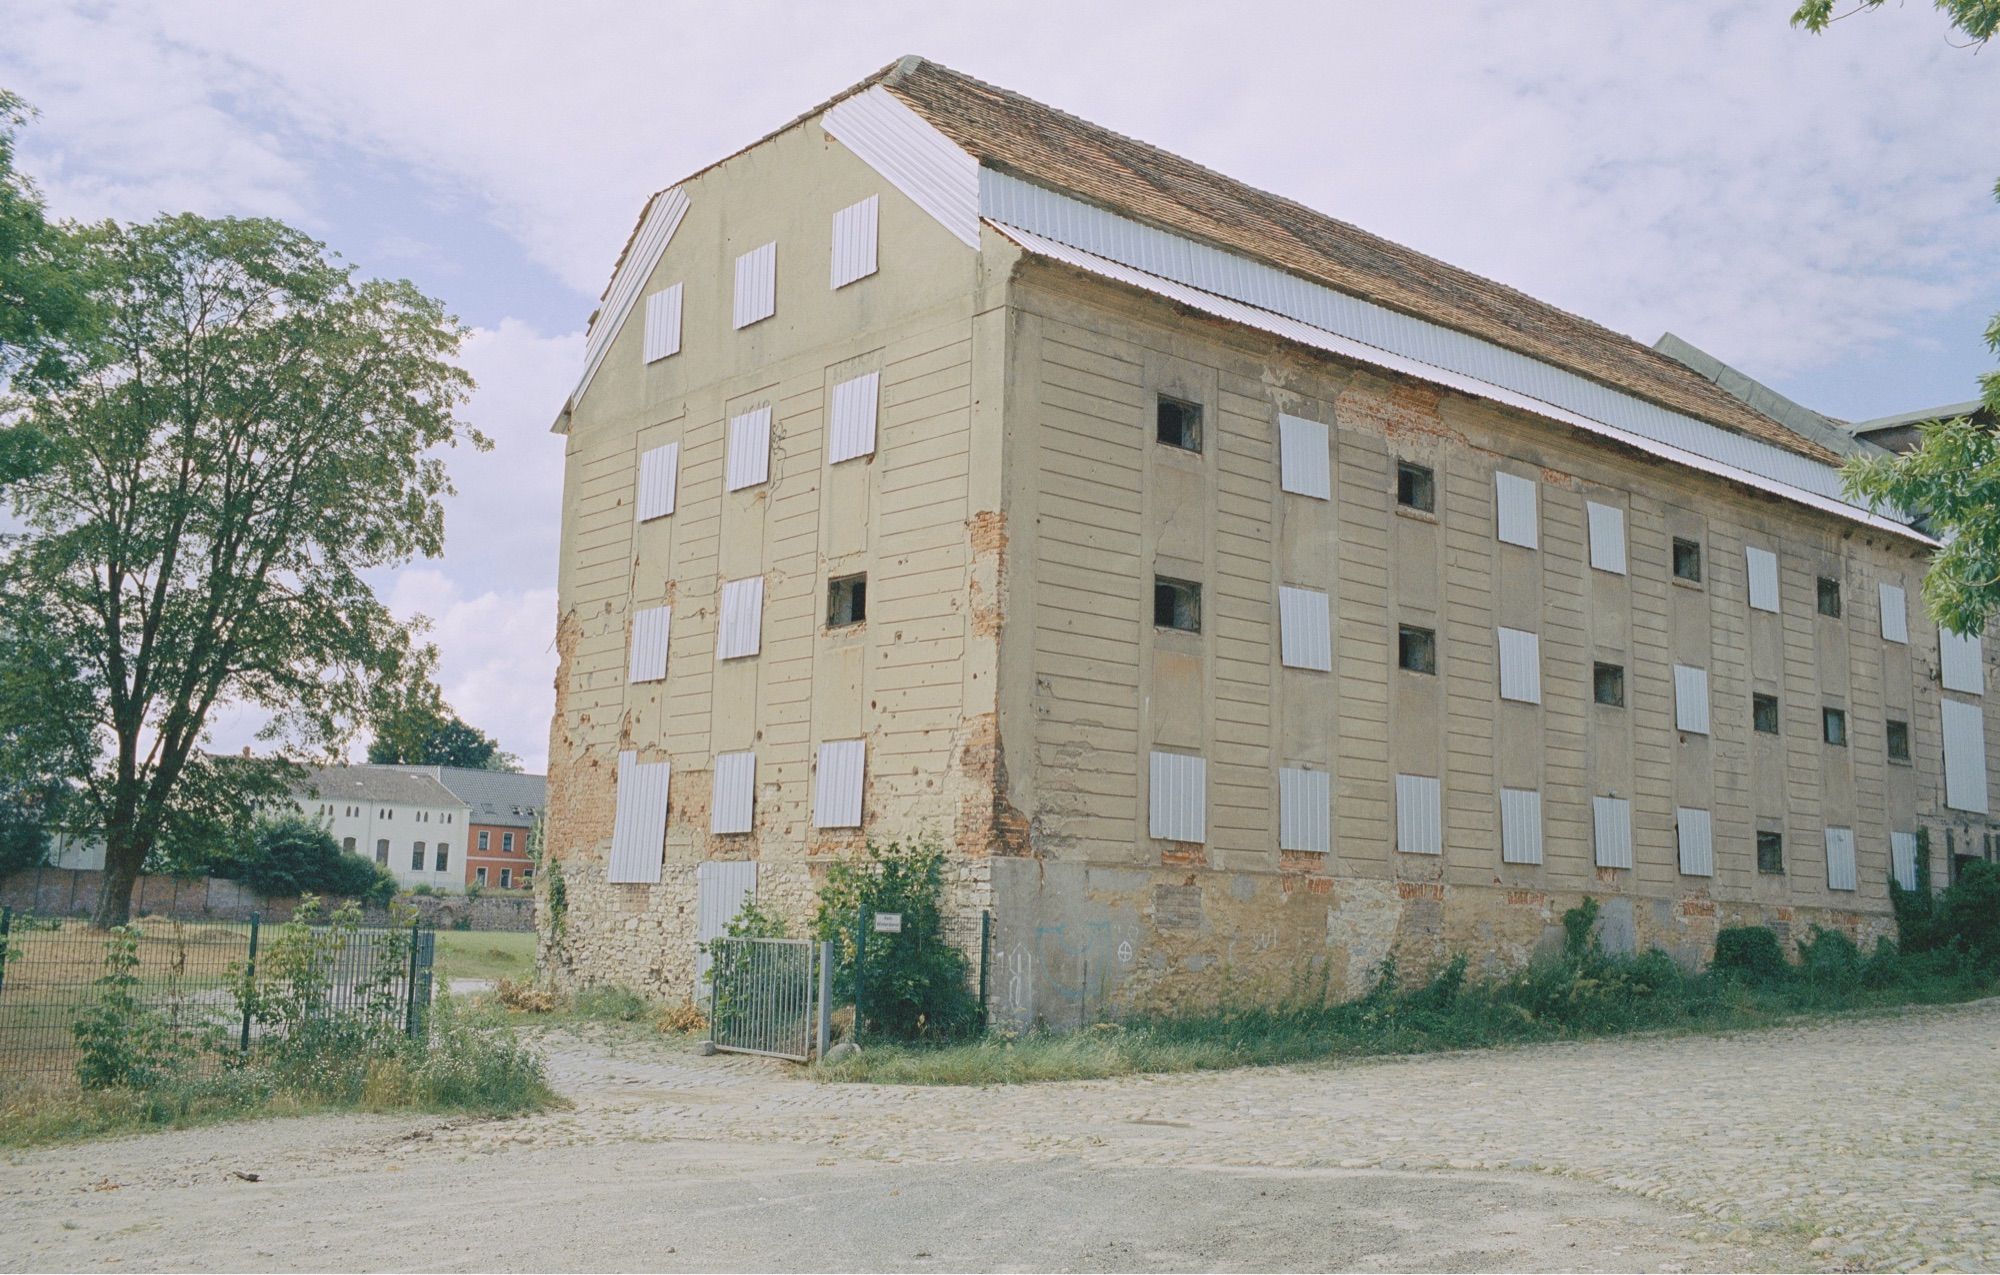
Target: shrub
{"points": [[1968, 914], [122, 1041], [913, 983], [1830, 962], [293, 855], [612, 1003], [1750, 953]]}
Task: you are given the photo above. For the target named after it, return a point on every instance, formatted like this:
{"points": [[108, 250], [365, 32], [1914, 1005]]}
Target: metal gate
{"points": [[769, 996]]}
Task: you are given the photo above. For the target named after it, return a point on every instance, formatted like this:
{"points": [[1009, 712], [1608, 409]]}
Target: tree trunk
{"points": [[123, 857]]}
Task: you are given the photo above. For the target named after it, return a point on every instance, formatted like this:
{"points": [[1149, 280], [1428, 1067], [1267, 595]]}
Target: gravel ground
{"points": [[1870, 1143]]}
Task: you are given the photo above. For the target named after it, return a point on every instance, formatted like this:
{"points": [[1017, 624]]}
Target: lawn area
{"points": [[488, 954]]}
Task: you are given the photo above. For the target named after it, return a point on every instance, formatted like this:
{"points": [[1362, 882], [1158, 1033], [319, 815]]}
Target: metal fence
{"points": [[769, 996], [195, 981]]}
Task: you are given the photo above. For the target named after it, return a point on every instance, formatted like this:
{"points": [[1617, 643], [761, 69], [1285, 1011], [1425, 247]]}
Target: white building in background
{"points": [[399, 816]]}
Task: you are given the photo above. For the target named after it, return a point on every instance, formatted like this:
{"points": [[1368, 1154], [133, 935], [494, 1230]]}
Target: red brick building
{"points": [[502, 811]]}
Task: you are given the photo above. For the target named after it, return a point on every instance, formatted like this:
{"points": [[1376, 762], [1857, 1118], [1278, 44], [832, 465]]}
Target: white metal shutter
{"points": [[1178, 803], [1964, 756], [1520, 825], [1612, 817], [1514, 502], [721, 888], [1305, 810], [1697, 838], [1763, 565], [742, 631], [1607, 537], [639, 829], [854, 241], [854, 408], [1691, 699], [1961, 663], [1520, 666], [1305, 629], [650, 629], [837, 783], [1303, 465], [1895, 614], [663, 324], [659, 472], [756, 285], [732, 803], [1840, 872], [1903, 858], [749, 461], [1419, 815]]}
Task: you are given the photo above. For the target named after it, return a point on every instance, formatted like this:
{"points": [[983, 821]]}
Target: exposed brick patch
{"points": [[1302, 862], [1526, 898], [1698, 906], [1184, 854], [987, 822], [1429, 890]]}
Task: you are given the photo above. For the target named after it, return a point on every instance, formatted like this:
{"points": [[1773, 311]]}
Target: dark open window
{"points": [[1829, 596], [1770, 852], [1416, 649], [1764, 714], [1180, 423], [1899, 741], [1687, 559], [846, 601], [1607, 684], [1834, 726], [1176, 604], [1416, 487]]}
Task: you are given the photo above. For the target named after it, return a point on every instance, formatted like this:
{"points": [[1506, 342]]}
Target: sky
{"points": [[1816, 210]]}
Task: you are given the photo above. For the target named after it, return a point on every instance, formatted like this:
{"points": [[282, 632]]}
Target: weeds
{"points": [[1582, 993]]}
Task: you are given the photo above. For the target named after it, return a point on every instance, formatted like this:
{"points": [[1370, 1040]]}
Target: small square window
{"points": [[1176, 604], [1416, 487], [1899, 741], [1607, 684], [1829, 596], [1764, 714], [1771, 853], [1180, 423], [846, 601], [1833, 723], [506, 878], [1687, 560], [1416, 649]]}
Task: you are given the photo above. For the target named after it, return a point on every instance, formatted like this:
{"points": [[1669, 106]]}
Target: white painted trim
{"points": [[911, 155], [1804, 481], [647, 246]]}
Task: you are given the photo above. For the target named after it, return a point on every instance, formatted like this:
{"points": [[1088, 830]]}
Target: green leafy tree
{"points": [[1953, 476], [415, 727], [291, 855], [248, 429], [44, 738], [42, 294]]}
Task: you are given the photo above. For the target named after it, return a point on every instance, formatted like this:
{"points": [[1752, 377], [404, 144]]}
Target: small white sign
{"points": [[888, 922]]}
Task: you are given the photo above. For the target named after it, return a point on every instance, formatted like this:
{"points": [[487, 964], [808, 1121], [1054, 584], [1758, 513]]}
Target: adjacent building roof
{"points": [[1901, 432], [498, 797], [382, 785], [1828, 431]]}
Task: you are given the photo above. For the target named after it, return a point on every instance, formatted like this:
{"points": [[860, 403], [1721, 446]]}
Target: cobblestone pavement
{"points": [[1867, 1143], [1876, 1141]]}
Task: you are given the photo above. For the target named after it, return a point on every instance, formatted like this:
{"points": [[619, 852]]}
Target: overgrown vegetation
{"points": [[1947, 954], [288, 855], [914, 984], [330, 1016]]}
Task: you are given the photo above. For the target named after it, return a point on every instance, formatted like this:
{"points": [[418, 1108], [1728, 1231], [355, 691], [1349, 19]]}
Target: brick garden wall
{"points": [[74, 891]]}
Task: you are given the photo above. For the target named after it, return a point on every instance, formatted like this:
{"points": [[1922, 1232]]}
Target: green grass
{"points": [[1584, 994], [487, 954]]}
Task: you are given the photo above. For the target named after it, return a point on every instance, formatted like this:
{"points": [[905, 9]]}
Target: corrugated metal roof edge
{"points": [[1291, 329]]}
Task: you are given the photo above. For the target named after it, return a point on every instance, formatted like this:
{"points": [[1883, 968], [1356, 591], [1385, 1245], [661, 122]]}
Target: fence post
{"points": [[410, 1012], [6, 924], [860, 952], [985, 944], [249, 984], [825, 997]]}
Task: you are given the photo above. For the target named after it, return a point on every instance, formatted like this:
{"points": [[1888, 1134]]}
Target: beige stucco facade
{"points": [[1010, 684]]}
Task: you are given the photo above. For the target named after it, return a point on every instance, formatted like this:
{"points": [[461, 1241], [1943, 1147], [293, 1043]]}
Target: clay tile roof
{"points": [[1040, 144]]}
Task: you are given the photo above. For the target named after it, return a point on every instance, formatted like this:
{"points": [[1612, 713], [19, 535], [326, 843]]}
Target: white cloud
{"points": [[497, 654]]}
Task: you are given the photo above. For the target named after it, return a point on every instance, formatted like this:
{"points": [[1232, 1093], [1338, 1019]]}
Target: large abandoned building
{"points": [[1237, 595]]}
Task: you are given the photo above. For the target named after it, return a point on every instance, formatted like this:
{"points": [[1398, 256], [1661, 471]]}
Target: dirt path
{"points": [[1867, 1143]]}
